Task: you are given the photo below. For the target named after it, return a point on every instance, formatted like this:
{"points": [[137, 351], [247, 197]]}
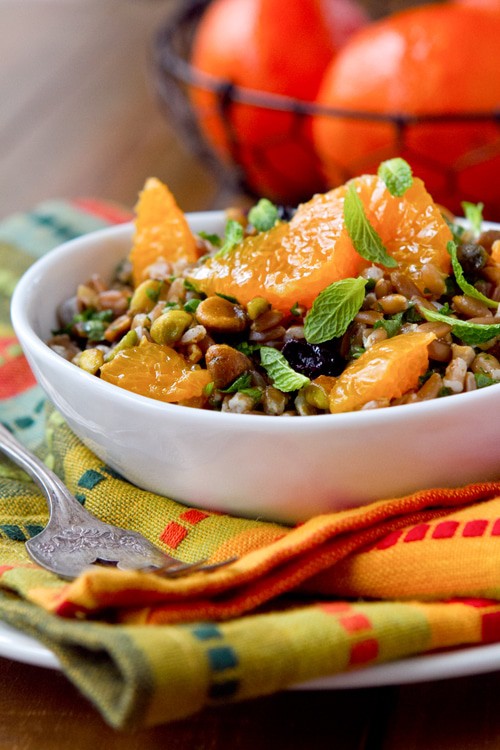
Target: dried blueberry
{"points": [[472, 258], [285, 213], [314, 359]]}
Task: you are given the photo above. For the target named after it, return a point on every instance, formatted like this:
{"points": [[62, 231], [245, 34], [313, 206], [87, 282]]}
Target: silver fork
{"points": [[74, 538]]}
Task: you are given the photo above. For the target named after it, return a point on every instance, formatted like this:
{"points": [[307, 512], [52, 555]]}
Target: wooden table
{"points": [[78, 117]]}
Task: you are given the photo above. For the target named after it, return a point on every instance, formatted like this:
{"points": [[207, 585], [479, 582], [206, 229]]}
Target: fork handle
{"points": [[47, 480]]}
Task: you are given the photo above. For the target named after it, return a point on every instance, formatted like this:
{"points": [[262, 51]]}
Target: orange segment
{"points": [[290, 263], [156, 371], [293, 262], [386, 371], [161, 230], [411, 227]]}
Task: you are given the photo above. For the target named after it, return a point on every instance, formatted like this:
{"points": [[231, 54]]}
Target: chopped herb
{"points": [[94, 329], [365, 239], [446, 309], [474, 214], [391, 325], [444, 391], [244, 381], [209, 388], [412, 315], [483, 379], [280, 372], [246, 348], [462, 282], [255, 393], [264, 215], [233, 236], [472, 334], [333, 309], [214, 239], [356, 351], [228, 297], [397, 175], [154, 294], [88, 316], [295, 309], [190, 286]]}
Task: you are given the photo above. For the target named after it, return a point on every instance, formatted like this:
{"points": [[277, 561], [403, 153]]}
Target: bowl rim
{"points": [[30, 340]]}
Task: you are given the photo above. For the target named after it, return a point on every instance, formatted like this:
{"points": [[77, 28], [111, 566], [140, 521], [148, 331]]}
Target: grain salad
{"points": [[389, 324]]}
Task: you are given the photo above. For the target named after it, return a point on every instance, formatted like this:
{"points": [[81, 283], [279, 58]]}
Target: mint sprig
{"points": [[397, 175], [233, 236], [333, 309], [462, 282], [474, 214], [472, 334], [364, 237], [281, 374], [264, 215]]}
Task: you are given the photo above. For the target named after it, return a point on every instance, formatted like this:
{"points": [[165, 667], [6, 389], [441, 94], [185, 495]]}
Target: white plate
{"points": [[460, 663]]}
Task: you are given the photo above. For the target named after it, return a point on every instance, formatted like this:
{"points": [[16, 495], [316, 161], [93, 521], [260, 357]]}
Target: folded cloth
{"points": [[399, 577]]}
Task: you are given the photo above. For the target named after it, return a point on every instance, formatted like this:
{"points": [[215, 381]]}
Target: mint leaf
{"points": [[232, 237], [264, 215], [333, 310], [470, 333], [462, 282], [280, 372], [397, 175], [474, 214], [365, 239]]}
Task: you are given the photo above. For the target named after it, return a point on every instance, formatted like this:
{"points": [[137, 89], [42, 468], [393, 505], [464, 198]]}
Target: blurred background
{"points": [[97, 95], [78, 114]]}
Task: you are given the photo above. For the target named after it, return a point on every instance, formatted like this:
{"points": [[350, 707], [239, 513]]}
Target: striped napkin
{"points": [[400, 577]]}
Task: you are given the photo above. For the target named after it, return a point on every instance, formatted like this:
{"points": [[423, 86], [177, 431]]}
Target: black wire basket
{"points": [[237, 170]]}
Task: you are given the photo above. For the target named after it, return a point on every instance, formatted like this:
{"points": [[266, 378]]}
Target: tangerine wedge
{"points": [[387, 370], [292, 262], [156, 371], [161, 230]]}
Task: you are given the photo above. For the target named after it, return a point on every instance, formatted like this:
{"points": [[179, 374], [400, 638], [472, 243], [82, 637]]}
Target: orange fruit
{"points": [[482, 4], [294, 261], [161, 230], [272, 47], [156, 371], [387, 370], [438, 59]]}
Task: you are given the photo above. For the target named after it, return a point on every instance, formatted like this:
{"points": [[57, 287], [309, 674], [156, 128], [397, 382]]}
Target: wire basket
{"points": [[237, 170]]}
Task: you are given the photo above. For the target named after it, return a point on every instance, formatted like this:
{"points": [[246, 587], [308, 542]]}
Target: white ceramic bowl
{"points": [[286, 469]]}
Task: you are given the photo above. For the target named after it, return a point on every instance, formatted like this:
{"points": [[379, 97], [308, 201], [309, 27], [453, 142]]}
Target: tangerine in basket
{"points": [[274, 47], [387, 370], [436, 60], [292, 262], [161, 230], [157, 371], [483, 4]]}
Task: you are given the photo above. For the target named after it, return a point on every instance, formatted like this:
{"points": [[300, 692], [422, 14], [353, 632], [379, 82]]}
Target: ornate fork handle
{"points": [[73, 537]]}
